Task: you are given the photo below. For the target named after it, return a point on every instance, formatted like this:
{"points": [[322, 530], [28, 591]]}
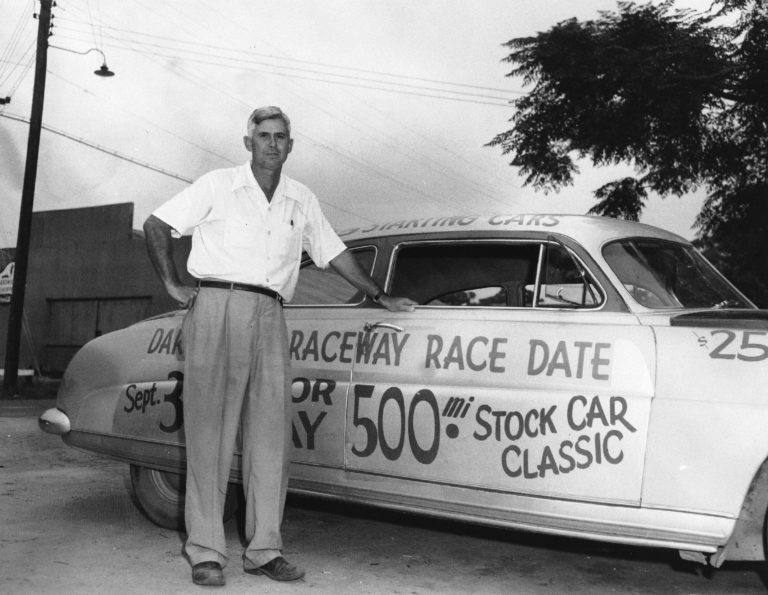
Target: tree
{"points": [[732, 234], [680, 95]]}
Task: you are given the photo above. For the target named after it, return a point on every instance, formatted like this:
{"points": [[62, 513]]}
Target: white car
{"points": [[573, 375]]}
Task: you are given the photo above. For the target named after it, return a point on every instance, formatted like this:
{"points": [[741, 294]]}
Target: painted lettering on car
{"points": [[593, 429]]}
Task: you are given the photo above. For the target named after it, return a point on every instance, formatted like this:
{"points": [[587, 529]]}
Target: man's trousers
{"points": [[237, 378]]}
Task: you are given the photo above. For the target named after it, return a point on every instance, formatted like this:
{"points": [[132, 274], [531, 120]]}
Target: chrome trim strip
{"points": [[540, 522]]}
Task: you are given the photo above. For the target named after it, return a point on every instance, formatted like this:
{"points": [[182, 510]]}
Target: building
{"points": [[88, 274]]}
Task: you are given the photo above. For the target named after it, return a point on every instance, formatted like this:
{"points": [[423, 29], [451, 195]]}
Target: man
{"points": [[248, 225]]}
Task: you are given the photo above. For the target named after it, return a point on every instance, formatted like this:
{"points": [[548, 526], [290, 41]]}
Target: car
{"points": [[572, 375]]}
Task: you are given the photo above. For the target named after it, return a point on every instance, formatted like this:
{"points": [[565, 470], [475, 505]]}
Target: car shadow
{"points": [[608, 552]]}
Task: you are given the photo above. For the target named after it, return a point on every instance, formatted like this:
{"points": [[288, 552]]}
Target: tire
{"points": [[159, 495]]}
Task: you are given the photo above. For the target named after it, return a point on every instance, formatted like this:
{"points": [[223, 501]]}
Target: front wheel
{"points": [[159, 495]]}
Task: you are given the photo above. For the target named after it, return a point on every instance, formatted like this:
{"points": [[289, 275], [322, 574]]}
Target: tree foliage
{"points": [[733, 230], [680, 95], [622, 199]]}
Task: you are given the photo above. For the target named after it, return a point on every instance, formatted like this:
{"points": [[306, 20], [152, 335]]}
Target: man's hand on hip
{"points": [[183, 294]]}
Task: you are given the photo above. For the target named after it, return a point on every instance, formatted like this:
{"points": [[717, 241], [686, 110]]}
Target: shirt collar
{"points": [[244, 178]]}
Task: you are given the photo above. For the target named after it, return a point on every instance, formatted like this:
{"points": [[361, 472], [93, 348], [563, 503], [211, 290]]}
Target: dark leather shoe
{"points": [[208, 574], [279, 569]]}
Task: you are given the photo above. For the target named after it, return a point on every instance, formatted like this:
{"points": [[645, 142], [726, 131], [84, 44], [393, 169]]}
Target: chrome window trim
{"points": [[289, 305], [537, 280], [453, 241]]}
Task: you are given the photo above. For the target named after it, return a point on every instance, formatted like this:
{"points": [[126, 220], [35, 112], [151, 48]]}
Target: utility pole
{"points": [[15, 315]]}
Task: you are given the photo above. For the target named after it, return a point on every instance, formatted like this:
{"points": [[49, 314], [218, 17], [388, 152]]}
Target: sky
{"points": [[391, 102]]}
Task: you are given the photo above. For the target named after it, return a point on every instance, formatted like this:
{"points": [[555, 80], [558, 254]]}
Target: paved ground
{"points": [[67, 525]]}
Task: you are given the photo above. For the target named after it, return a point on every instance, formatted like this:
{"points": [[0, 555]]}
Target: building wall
{"points": [[88, 274]]}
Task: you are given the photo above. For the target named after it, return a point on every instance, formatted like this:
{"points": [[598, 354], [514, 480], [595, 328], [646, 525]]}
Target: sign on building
{"points": [[6, 283]]}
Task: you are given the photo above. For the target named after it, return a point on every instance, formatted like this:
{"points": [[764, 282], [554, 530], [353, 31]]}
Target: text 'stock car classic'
{"points": [[572, 375]]}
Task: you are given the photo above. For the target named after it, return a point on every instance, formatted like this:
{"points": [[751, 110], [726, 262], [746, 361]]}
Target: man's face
{"points": [[269, 144]]}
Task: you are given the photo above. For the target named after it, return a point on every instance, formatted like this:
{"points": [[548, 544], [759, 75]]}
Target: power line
{"points": [[411, 131], [177, 176], [112, 152], [349, 158], [134, 114], [143, 164], [376, 170], [345, 122], [180, 71], [28, 58], [346, 80], [269, 69], [298, 61], [327, 148], [14, 42]]}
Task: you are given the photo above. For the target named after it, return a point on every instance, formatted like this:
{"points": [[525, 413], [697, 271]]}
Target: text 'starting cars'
{"points": [[573, 375]]}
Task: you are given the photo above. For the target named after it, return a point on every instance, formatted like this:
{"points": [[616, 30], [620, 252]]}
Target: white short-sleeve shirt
{"points": [[239, 236]]}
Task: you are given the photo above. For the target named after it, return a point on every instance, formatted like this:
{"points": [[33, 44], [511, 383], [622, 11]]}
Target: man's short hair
{"points": [[270, 112]]}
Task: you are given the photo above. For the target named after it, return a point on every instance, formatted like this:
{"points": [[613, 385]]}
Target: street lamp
{"points": [[13, 340], [102, 71]]}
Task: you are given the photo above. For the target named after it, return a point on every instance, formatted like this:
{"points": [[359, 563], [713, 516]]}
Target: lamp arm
{"points": [[103, 57]]}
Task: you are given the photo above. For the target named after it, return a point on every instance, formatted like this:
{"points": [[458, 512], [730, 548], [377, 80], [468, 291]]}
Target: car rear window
{"points": [[322, 287]]}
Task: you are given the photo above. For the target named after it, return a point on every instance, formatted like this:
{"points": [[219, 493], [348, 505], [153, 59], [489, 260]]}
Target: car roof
{"points": [[588, 230]]}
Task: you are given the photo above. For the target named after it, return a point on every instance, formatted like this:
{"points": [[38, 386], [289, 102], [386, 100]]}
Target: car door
{"points": [[322, 343], [513, 376]]}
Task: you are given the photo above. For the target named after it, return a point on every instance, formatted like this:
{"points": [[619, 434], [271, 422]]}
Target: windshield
{"points": [[662, 274]]}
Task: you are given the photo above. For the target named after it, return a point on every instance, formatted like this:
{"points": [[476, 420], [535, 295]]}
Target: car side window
{"points": [[493, 274], [324, 287], [485, 274], [564, 282]]}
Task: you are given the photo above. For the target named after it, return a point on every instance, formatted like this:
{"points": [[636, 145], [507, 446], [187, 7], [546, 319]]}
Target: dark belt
{"points": [[242, 287]]}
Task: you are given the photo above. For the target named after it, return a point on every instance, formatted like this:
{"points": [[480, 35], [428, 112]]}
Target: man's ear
{"points": [[247, 142], [290, 145]]}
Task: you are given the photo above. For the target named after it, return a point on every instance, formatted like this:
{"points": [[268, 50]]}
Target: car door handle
{"points": [[369, 326]]}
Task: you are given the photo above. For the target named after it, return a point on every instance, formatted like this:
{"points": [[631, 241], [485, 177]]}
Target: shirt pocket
{"points": [[285, 241]]}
